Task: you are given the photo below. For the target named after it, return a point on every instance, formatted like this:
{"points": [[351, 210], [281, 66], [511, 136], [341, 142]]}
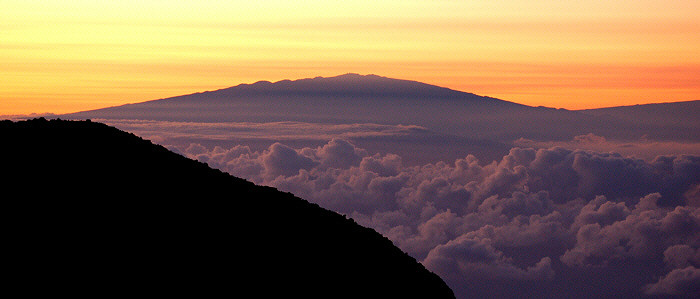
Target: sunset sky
{"points": [[66, 56]]}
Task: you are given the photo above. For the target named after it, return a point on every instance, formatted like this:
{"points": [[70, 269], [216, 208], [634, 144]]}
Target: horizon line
{"points": [[38, 114]]}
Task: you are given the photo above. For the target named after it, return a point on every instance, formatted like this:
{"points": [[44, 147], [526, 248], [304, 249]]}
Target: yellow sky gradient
{"points": [[66, 56]]}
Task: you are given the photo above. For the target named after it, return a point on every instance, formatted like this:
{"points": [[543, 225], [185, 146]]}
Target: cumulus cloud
{"points": [[684, 281], [636, 234], [282, 160], [531, 223], [339, 153], [473, 259], [680, 256]]}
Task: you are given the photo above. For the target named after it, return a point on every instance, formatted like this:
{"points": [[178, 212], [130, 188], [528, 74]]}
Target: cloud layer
{"points": [[416, 144], [643, 148], [548, 222]]}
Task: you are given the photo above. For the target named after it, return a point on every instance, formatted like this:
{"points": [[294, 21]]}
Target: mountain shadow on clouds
{"points": [[94, 211]]}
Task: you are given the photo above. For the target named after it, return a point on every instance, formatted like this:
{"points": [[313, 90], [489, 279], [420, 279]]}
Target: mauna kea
{"points": [[354, 98], [94, 211]]}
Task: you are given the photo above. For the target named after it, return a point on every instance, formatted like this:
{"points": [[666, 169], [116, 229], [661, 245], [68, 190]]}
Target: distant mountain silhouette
{"points": [[353, 98], [666, 114], [94, 211], [348, 98], [350, 85]]}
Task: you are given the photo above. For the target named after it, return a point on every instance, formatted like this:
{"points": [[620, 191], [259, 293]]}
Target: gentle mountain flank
{"points": [[353, 98]]}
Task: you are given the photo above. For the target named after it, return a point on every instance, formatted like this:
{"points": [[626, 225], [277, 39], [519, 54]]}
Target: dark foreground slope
{"points": [[92, 210]]}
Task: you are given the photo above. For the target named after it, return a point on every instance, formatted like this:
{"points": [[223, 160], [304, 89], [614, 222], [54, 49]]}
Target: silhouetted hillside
{"points": [[95, 211]]}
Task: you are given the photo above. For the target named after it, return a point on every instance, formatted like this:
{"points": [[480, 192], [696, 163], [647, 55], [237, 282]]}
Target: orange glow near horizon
{"points": [[67, 56]]}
